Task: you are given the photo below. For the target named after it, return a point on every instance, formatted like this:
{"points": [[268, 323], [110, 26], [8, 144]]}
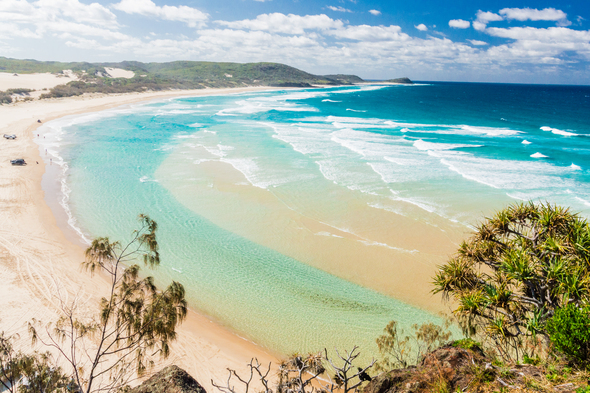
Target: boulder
{"points": [[171, 379]]}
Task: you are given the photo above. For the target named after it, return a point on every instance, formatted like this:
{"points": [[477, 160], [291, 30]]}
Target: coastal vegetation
{"points": [[95, 77], [518, 269], [134, 322]]}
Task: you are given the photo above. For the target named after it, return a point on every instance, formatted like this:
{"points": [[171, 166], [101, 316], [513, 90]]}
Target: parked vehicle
{"points": [[18, 161], [9, 136]]}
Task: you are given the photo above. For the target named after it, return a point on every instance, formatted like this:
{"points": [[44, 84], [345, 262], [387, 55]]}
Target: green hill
{"points": [[181, 74]]}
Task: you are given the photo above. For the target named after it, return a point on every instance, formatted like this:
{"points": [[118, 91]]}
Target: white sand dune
{"points": [[33, 81], [119, 73]]}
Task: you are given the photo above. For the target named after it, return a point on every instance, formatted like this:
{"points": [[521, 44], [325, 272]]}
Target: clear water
{"points": [[311, 177]]}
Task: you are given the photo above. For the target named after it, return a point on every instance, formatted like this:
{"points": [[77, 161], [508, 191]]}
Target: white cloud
{"points": [[339, 9], [191, 16], [375, 12], [60, 18], [523, 14], [486, 17], [370, 33], [551, 34], [421, 27], [478, 43], [459, 23], [479, 26], [287, 24], [54, 10]]}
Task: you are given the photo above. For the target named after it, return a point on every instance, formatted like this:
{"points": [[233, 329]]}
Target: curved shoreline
{"points": [[39, 263]]}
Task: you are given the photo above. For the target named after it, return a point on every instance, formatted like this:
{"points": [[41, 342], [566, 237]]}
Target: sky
{"points": [[509, 41]]}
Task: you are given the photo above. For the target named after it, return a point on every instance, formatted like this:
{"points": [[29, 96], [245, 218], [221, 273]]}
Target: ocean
{"points": [[308, 219]]}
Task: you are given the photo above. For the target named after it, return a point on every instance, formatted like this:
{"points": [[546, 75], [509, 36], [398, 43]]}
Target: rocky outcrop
{"points": [[451, 369], [403, 81], [171, 379]]}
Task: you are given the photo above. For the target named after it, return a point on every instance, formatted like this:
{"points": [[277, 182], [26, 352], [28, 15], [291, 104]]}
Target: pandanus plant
{"points": [[519, 266]]}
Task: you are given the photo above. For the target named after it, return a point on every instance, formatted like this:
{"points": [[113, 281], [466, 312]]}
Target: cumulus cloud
{"points": [[62, 18], [459, 23], [487, 16], [523, 14], [287, 24], [479, 26], [375, 12], [421, 27], [370, 33], [478, 43], [339, 9], [191, 16], [45, 11]]}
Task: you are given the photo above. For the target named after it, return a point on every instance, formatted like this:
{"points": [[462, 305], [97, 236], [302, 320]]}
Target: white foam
{"points": [[557, 131], [184, 136], [423, 145], [538, 155], [585, 202], [491, 131], [328, 100], [374, 243], [525, 142], [328, 234], [355, 110], [513, 196], [575, 167]]}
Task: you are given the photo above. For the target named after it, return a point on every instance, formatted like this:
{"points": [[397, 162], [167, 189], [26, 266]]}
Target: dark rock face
{"points": [[171, 379]]}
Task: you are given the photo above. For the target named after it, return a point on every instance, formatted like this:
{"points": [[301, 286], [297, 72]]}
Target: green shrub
{"points": [[569, 331], [467, 343], [19, 91]]}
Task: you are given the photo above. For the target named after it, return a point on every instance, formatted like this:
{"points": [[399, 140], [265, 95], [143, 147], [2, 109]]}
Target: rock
{"points": [[446, 366], [171, 379]]}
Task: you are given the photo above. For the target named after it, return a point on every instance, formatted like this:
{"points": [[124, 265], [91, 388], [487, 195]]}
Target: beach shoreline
{"points": [[40, 264]]}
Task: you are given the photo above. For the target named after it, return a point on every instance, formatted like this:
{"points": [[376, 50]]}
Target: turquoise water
{"points": [[351, 160]]}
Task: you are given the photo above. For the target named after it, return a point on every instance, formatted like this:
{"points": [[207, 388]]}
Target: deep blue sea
{"points": [[305, 219]]}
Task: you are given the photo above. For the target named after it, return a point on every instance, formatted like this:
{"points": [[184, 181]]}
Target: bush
{"points": [[569, 331], [20, 91], [5, 98], [517, 269]]}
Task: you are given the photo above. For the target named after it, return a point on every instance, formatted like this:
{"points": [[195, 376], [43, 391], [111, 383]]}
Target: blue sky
{"points": [[480, 41]]}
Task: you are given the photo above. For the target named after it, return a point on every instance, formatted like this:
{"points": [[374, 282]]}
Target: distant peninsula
{"points": [[401, 81], [134, 76]]}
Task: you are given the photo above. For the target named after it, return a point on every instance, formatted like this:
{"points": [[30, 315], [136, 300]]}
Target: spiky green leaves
{"points": [[518, 268]]}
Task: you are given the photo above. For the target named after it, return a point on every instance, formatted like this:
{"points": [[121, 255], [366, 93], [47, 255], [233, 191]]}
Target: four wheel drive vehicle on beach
{"points": [[18, 161], [9, 136]]}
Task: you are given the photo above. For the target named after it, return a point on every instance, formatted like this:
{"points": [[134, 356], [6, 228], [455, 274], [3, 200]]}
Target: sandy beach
{"points": [[40, 265]]}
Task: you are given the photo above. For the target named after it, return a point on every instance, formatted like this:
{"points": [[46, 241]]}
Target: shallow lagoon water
{"points": [[441, 155]]}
